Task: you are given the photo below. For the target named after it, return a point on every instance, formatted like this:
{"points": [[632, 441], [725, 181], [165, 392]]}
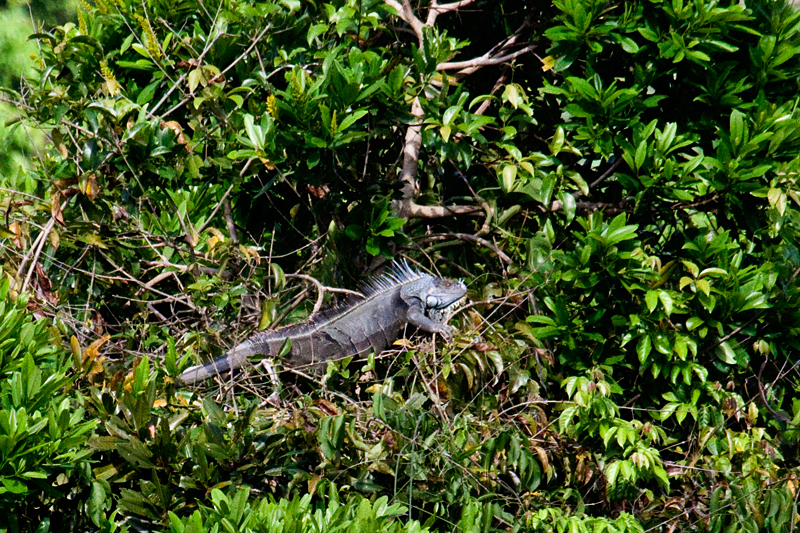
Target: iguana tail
{"points": [[236, 358]]}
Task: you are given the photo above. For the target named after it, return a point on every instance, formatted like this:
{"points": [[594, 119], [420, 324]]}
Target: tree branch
{"points": [[435, 10], [226, 208], [471, 238], [405, 12], [406, 207], [321, 290], [411, 151], [483, 61], [415, 210]]}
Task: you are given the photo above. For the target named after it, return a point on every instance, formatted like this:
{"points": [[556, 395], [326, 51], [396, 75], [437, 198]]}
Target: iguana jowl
{"points": [[403, 296]]}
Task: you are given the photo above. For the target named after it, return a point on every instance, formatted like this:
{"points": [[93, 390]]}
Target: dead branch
{"points": [[471, 65], [322, 289], [411, 151], [405, 12], [36, 249], [406, 207], [226, 208], [435, 9], [471, 238]]}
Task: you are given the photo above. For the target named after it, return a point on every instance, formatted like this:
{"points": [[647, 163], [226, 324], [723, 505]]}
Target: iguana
{"points": [[402, 296]]}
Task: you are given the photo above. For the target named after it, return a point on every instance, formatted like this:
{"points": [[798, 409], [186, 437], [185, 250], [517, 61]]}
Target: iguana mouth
{"points": [[455, 305], [442, 314]]}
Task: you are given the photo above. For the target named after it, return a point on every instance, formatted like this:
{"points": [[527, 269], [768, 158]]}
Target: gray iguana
{"points": [[402, 296]]}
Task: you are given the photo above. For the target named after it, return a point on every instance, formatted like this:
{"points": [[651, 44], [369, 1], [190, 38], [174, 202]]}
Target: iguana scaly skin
{"points": [[403, 296]]}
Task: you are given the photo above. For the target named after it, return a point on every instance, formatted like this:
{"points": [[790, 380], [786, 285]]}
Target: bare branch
{"points": [[36, 248], [435, 10], [411, 151], [321, 290], [405, 12], [471, 238], [472, 65], [606, 174], [415, 210], [226, 208], [216, 208]]}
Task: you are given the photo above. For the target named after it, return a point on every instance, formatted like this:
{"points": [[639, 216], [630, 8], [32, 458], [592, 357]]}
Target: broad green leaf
{"points": [[651, 298], [726, 354], [641, 154], [666, 301], [643, 348], [508, 177]]}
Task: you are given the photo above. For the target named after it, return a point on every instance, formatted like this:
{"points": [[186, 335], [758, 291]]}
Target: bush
{"points": [[44, 467]]}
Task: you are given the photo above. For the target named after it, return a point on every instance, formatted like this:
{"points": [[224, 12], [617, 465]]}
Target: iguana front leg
{"points": [[416, 317]]}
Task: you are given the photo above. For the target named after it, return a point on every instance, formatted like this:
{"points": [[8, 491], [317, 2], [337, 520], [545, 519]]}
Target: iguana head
{"points": [[440, 296]]}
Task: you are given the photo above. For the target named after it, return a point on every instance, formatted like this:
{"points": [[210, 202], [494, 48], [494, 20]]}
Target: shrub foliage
{"points": [[616, 181]]}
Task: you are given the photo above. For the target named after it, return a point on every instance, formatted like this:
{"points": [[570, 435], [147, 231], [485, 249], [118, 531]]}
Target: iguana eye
{"points": [[432, 301]]}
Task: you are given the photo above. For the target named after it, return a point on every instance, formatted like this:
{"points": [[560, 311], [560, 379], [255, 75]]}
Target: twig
{"points": [[434, 396], [472, 238], [38, 246], [216, 208], [605, 174], [405, 12], [592, 206], [226, 208], [436, 9], [143, 285], [763, 396], [486, 103], [322, 289], [483, 61]]}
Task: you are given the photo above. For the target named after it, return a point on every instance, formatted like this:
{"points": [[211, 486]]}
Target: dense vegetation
{"points": [[615, 181]]}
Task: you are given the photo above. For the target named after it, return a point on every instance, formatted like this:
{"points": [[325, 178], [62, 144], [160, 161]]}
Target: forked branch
{"points": [[407, 207]]}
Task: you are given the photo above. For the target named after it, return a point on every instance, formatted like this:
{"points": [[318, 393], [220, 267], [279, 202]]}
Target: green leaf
{"points": [[351, 118], [450, 114], [666, 301], [146, 95], [568, 204], [511, 95], [726, 354], [508, 177], [643, 348], [558, 141], [253, 131], [641, 154], [315, 31], [195, 78], [628, 44], [737, 126], [651, 298]]}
